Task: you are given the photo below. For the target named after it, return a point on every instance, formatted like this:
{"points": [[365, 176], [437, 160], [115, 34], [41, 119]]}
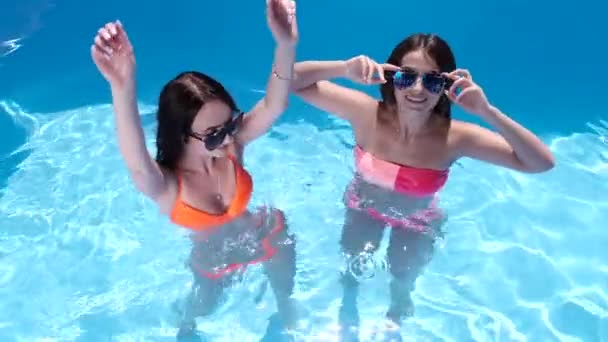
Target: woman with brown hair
{"points": [[198, 178], [405, 144]]}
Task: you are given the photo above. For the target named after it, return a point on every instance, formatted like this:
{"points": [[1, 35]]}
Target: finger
{"points": [[370, 70], [98, 53], [104, 33], [380, 71], [378, 74], [450, 95], [390, 67], [277, 8], [114, 41], [458, 86], [102, 45], [461, 83], [287, 11], [463, 93], [462, 73], [120, 31], [270, 8], [122, 37], [100, 58], [466, 74], [291, 10], [364, 70], [451, 75], [111, 28]]}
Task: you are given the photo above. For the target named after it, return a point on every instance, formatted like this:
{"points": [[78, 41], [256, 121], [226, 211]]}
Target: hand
{"points": [[470, 96], [361, 69], [281, 17], [113, 54]]}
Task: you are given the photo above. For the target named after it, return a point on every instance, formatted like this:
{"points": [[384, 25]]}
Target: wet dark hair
{"points": [[178, 103], [438, 50]]}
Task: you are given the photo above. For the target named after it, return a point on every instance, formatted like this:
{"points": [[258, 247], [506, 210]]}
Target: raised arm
{"points": [[513, 146], [281, 18], [113, 55], [313, 85]]}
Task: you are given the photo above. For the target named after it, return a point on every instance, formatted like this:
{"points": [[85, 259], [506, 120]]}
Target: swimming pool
{"points": [[83, 257]]}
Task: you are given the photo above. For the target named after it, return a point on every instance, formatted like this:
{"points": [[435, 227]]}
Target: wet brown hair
{"points": [[179, 102], [437, 49]]}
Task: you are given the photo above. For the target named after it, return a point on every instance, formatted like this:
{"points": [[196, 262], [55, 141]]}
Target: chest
{"points": [[430, 151], [209, 193]]}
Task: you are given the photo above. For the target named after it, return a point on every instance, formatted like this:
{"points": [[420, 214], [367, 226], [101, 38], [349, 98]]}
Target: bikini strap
{"points": [[238, 168]]}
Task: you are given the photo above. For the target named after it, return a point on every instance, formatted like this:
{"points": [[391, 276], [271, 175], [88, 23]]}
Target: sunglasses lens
{"points": [[433, 83], [233, 125], [215, 139], [212, 141], [404, 79]]}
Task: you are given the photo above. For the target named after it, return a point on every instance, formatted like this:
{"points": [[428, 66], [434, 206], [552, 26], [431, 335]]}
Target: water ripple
{"points": [[83, 256]]}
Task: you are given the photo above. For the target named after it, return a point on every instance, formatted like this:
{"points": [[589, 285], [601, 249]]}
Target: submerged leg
{"points": [[203, 300], [408, 253], [361, 236], [281, 268]]}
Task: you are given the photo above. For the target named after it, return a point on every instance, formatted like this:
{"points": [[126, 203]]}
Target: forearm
{"points": [[131, 140], [277, 89], [310, 72], [528, 148]]}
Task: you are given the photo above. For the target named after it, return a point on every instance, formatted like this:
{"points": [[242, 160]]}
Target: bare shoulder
{"points": [[462, 135], [460, 129], [462, 132]]}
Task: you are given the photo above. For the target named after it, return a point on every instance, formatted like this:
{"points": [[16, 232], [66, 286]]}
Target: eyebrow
{"points": [[213, 128], [416, 69]]}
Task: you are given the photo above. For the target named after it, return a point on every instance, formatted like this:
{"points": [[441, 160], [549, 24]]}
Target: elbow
{"points": [[544, 164], [547, 164], [299, 89], [547, 161]]}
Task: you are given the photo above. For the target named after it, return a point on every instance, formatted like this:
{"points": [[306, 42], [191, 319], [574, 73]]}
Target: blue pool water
{"points": [[84, 257]]}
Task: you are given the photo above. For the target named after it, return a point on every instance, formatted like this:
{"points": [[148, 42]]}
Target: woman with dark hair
{"points": [[198, 178], [405, 145]]}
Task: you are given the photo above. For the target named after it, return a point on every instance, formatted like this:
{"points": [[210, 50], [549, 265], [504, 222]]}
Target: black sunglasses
{"points": [[431, 81], [216, 135]]}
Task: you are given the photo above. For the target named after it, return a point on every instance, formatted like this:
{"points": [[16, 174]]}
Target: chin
{"points": [[415, 108], [219, 153]]}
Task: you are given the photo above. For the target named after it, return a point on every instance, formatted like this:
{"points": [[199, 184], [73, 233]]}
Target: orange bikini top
{"points": [[195, 219]]}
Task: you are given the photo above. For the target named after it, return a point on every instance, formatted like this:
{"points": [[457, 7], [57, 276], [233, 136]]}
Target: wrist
{"points": [[284, 77], [489, 111], [123, 87], [286, 45], [342, 68]]}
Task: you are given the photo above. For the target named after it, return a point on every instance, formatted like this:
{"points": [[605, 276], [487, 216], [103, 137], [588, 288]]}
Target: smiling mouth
{"points": [[414, 99]]}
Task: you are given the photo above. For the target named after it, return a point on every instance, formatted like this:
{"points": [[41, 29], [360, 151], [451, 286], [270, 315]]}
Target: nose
{"points": [[417, 86]]}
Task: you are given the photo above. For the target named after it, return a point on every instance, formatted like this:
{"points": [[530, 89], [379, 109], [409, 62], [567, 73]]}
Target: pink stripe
{"points": [[410, 222]]}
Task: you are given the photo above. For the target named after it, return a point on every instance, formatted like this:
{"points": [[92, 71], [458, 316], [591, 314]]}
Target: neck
{"points": [[198, 164], [412, 124]]}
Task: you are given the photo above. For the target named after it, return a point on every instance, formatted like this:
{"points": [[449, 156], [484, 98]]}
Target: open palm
{"points": [[113, 54]]}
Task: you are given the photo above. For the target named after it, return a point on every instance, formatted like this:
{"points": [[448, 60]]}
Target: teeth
{"points": [[416, 99]]}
